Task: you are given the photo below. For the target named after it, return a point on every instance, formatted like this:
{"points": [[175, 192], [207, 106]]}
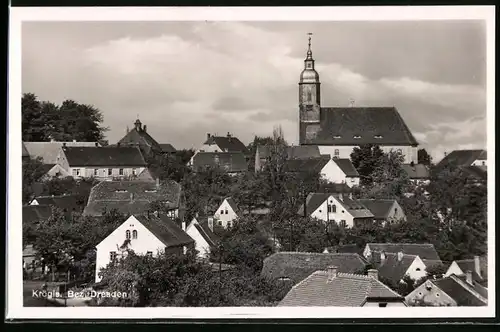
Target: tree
{"points": [[424, 157], [33, 170], [388, 179], [252, 149], [250, 191], [168, 167], [365, 159]]}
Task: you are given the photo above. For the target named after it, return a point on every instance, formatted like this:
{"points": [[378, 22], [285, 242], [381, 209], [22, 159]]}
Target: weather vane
{"points": [[309, 34]]}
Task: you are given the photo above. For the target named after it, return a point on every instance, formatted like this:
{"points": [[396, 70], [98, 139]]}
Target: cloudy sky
{"points": [[185, 79]]}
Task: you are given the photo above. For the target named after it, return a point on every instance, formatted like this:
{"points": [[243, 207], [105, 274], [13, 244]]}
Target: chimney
{"points": [[332, 272], [373, 274], [96, 144], [64, 144], [468, 277], [52, 140], [131, 196], [400, 256], [157, 183], [144, 128], [208, 135], [211, 223], [74, 140], [183, 225], [228, 134], [382, 257], [477, 266], [137, 124], [412, 163], [196, 215]]}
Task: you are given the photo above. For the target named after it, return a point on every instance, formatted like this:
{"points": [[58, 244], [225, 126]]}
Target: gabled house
{"points": [[167, 148], [264, 152], [324, 166], [215, 143], [417, 173], [344, 172], [465, 158], [51, 152], [138, 136], [104, 163], [200, 229], [395, 267], [478, 267], [35, 213], [336, 207], [294, 267], [67, 203], [228, 162], [136, 197], [384, 210], [423, 250], [145, 235], [227, 213], [331, 288], [450, 291]]}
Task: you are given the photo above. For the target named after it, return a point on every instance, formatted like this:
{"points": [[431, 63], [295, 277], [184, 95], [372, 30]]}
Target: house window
{"points": [[382, 305], [112, 256], [219, 223], [134, 234], [96, 170], [332, 208], [149, 254], [357, 136], [352, 180], [76, 172], [127, 235], [221, 211], [437, 294], [110, 171], [343, 223], [120, 171], [226, 211], [134, 171], [336, 153], [484, 163], [395, 210], [216, 159], [417, 269]]}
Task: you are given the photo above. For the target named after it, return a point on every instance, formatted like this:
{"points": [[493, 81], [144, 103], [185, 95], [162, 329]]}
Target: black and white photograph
{"points": [[258, 162]]}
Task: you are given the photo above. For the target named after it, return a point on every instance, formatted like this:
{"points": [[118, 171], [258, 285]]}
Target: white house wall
{"points": [[146, 241], [102, 173], [434, 296], [341, 214], [205, 148], [331, 172], [409, 152], [225, 214], [417, 269], [396, 213], [479, 162], [201, 245], [454, 269]]}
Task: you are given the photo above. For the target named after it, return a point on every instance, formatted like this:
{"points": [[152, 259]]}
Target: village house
{"points": [[395, 267], [264, 152], [417, 173], [33, 214], [232, 163], [331, 288], [67, 203], [384, 210], [227, 213], [215, 143], [449, 291], [478, 266], [200, 229], [24, 152], [103, 163], [337, 208], [338, 130], [465, 158], [137, 197], [145, 235], [293, 267], [425, 251], [139, 136]]}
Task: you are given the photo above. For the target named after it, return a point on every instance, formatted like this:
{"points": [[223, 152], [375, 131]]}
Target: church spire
{"points": [[309, 52]]}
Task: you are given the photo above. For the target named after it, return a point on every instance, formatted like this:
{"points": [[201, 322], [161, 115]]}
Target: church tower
{"points": [[309, 100]]}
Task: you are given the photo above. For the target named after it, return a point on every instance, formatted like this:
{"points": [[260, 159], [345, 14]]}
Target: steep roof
{"points": [[227, 161], [416, 171], [298, 265], [372, 125], [469, 265], [227, 143], [462, 157], [104, 156], [423, 250], [167, 148], [132, 197], [232, 204], [461, 292], [392, 268], [335, 188], [64, 202], [344, 290], [347, 167], [304, 165], [356, 209], [35, 213], [293, 152], [166, 230], [201, 224], [349, 248], [379, 207], [49, 151], [141, 137], [478, 172]]}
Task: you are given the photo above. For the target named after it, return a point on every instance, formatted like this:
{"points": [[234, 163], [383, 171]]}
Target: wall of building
{"points": [[454, 269], [102, 173], [340, 212], [409, 152], [205, 148], [479, 162], [225, 214], [432, 296], [57, 171], [396, 213], [201, 245], [332, 173], [146, 241], [416, 269]]}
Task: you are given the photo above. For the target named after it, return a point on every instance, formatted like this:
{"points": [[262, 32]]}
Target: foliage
{"points": [[33, 170], [366, 159], [252, 149], [166, 166], [388, 179], [424, 157], [250, 191], [43, 121]]}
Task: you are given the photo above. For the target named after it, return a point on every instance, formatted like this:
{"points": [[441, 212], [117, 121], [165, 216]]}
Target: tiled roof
{"points": [[335, 188], [35, 213], [50, 150], [416, 171], [132, 197], [314, 200], [343, 290], [293, 152], [227, 161], [64, 202], [349, 248], [104, 156], [227, 143], [201, 225], [458, 291], [347, 167], [371, 125], [379, 207], [423, 250], [166, 230], [167, 148], [478, 172], [304, 165], [232, 204], [391, 267], [299, 265], [469, 265], [141, 137], [462, 157]]}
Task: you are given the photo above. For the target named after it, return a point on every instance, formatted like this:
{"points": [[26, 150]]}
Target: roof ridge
{"points": [[468, 287]]}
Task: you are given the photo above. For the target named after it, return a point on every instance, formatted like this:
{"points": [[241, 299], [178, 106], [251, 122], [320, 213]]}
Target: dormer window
{"points": [[378, 136], [357, 136], [120, 191], [337, 136]]}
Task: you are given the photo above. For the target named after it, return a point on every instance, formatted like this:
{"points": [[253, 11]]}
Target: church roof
{"points": [[463, 157], [104, 156], [362, 125]]}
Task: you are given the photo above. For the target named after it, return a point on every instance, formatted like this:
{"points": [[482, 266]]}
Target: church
{"points": [[337, 130]]}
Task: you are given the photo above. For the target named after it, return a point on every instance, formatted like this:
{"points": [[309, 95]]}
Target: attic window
{"points": [[150, 191], [337, 136], [417, 269], [120, 191], [357, 136], [378, 136]]}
